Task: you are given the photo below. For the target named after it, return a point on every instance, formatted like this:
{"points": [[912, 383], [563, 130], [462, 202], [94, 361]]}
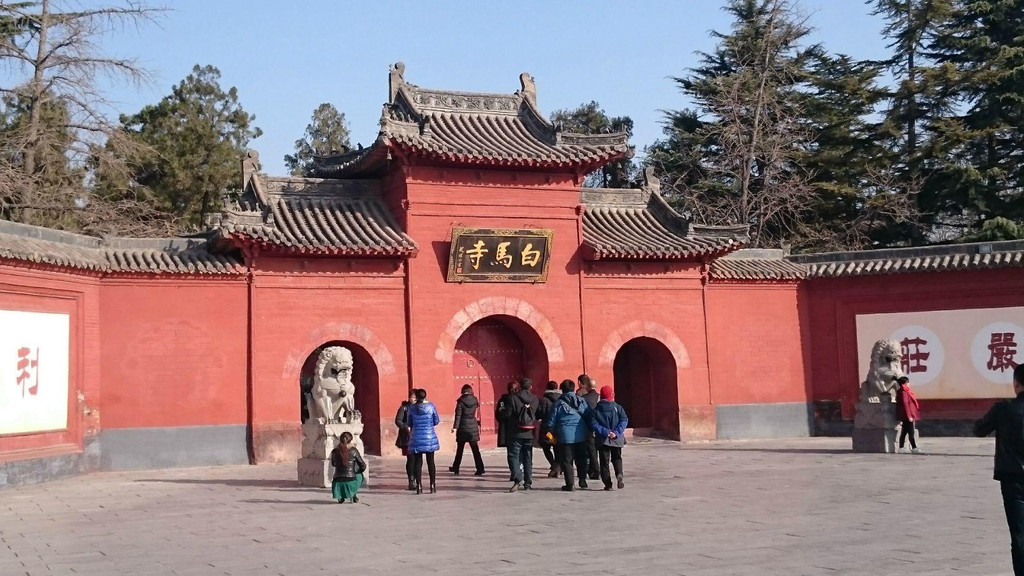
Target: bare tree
{"points": [[58, 126]]}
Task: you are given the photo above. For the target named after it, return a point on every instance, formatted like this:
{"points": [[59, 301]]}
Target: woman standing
{"points": [[608, 421], [422, 439], [348, 470], [467, 430], [402, 421]]}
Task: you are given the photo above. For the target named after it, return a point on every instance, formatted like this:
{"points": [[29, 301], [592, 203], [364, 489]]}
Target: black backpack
{"points": [[524, 416]]}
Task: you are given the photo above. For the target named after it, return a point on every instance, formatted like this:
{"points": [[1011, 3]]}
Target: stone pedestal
{"points": [[875, 426], [318, 440]]}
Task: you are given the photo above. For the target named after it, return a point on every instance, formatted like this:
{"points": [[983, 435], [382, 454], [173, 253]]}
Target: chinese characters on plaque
{"points": [[34, 371], [952, 353], [499, 255]]}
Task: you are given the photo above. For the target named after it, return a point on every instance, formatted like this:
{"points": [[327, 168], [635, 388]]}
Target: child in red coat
{"points": [[908, 410]]}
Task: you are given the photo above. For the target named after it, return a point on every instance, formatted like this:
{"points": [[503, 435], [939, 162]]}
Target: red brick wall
{"points": [[173, 351], [300, 304], [42, 289], [833, 304], [756, 344]]}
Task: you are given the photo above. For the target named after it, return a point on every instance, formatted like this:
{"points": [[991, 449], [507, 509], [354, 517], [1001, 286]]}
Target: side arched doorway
{"points": [[366, 379], [492, 352], [645, 385]]}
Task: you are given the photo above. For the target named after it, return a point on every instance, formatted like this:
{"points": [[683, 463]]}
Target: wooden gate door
{"points": [[487, 356]]}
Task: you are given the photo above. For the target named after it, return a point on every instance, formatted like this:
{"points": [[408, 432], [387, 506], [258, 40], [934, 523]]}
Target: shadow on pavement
{"points": [[832, 452], [245, 482]]}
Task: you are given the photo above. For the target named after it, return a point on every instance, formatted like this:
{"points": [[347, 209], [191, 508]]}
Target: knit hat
{"points": [[607, 393]]}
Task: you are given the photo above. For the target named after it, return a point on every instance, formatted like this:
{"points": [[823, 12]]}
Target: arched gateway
{"points": [[366, 379], [489, 354], [645, 385]]}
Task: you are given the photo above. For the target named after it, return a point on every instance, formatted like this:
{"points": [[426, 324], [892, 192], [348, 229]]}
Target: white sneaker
{"points": [[901, 451], [916, 451]]}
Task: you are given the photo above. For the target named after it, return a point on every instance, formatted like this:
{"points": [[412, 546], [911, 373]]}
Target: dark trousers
{"points": [[410, 466], [613, 453], [567, 455], [477, 459], [1013, 504], [592, 457], [520, 459], [549, 453], [418, 467], [907, 427]]}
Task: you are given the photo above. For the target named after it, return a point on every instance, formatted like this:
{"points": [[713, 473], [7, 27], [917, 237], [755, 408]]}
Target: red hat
{"points": [[607, 393]]}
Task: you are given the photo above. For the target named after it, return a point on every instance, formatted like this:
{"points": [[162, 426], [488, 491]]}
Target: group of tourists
{"points": [[581, 432]]}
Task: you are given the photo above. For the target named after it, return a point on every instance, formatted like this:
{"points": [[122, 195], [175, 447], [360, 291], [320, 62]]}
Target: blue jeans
{"points": [[1013, 504], [520, 459]]}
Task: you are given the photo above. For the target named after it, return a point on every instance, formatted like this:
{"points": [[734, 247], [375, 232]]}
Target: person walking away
{"points": [[608, 421], [423, 439], [467, 430], [568, 421], [588, 392], [908, 410], [348, 469], [402, 421], [522, 426], [1006, 419], [544, 404], [502, 418]]}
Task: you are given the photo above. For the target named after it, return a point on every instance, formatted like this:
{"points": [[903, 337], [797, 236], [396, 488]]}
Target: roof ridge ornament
{"points": [[529, 88], [396, 78], [653, 182]]}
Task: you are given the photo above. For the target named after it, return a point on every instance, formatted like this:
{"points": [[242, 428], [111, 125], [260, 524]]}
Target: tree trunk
{"points": [[35, 103]]}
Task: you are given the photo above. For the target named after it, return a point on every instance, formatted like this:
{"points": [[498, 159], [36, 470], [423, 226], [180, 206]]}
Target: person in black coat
{"points": [[502, 409], [544, 404], [402, 421], [467, 430], [521, 426], [1006, 419], [588, 392]]}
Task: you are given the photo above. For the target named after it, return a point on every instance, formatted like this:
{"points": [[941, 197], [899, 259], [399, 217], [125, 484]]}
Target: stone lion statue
{"points": [[333, 395], [884, 370]]}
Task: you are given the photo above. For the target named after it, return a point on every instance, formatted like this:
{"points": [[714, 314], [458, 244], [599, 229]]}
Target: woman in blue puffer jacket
{"points": [[568, 421], [423, 439]]}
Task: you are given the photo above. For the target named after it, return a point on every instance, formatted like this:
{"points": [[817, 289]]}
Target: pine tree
{"points": [[198, 133], [590, 118], [978, 173], [326, 133]]}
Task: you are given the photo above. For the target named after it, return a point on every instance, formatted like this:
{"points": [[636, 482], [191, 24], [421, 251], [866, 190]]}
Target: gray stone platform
{"points": [[801, 507]]}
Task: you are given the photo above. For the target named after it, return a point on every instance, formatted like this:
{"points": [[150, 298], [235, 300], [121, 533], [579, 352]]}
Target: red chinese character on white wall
{"points": [[914, 355], [1002, 350], [28, 371]]}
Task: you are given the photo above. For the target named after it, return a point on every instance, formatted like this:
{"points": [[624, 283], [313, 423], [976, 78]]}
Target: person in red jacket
{"points": [[908, 410]]}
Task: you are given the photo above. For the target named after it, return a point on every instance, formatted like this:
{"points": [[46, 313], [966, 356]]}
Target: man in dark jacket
{"points": [[467, 430], [522, 424], [1006, 419], [544, 405], [588, 392]]}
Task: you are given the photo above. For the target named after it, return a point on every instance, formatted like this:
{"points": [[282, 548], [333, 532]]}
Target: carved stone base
{"points": [[318, 440], [875, 427]]}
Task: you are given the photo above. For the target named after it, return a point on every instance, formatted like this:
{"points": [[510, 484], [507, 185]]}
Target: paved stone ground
{"points": [[798, 507]]}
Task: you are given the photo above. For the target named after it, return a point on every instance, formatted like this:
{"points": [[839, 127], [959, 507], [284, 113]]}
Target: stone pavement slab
{"points": [[782, 507]]}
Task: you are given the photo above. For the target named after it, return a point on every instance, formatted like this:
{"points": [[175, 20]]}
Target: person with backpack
{"points": [[522, 424], [467, 430], [908, 411], [544, 405], [608, 421], [568, 420]]}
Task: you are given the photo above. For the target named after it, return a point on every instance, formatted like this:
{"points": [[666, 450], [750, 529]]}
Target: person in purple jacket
{"points": [[423, 439]]}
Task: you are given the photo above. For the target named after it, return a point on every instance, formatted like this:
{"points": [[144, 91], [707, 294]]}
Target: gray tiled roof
{"points": [[474, 129], [25, 243], [639, 224], [310, 215], [756, 265], [974, 256]]}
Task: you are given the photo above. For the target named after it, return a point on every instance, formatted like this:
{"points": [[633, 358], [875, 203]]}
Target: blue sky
{"points": [[287, 58]]}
